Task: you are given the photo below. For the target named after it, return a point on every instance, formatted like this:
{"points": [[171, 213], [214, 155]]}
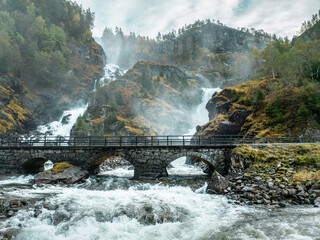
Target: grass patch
{"points": [[306, 175], [60, 167], [300, 155]]}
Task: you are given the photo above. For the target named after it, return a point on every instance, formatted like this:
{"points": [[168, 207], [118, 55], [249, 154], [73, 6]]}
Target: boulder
{"points": [[224, 107], [317, 202], [66, 119], [217, 184], [61, 173]]}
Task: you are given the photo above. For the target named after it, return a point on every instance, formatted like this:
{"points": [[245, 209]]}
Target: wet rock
{"points": [[225, 107], [68, 175], [217, 184], [66, 119], [113, 163], [266, 202], [317, 202]]}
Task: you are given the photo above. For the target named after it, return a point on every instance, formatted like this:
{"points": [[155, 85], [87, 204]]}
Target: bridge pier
{"points": [[149, 171]]}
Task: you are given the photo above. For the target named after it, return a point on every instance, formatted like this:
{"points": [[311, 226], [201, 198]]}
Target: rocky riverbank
{"points": [[283, 179]]}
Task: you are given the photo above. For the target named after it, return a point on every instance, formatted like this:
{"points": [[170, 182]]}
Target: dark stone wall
{"points": [[149, 162]]}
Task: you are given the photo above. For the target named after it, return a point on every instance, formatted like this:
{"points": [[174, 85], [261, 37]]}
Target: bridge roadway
{"points": [[150, 155]]}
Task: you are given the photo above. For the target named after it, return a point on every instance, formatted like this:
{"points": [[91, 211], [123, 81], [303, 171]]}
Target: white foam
{"points": [[16, 180], [56, 128], [113, 214], [181, 169]]}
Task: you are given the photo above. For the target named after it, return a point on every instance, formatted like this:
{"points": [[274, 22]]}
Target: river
{"points": [[110, 206], [118, 208]]}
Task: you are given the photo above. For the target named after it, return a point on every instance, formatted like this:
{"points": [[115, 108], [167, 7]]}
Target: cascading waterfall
{"points": [[63, 126], [199, 117]]}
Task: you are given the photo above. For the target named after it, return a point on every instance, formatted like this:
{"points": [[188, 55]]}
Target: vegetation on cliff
{"points": [[149, 99], [207, 47], [48, 47], [284, 100], [292, 163]]}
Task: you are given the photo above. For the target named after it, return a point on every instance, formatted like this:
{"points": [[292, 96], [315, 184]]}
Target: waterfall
{"points": [[63, 126]]}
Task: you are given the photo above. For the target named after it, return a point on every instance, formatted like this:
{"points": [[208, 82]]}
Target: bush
{"points": [[303, 112], [260, 95], [119, 97], [235, 96], [247, 102], [275, 112]]}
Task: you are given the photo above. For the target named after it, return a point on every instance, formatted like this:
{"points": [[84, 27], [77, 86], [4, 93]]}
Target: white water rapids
{"points": [[117, 208], [113, 207]]}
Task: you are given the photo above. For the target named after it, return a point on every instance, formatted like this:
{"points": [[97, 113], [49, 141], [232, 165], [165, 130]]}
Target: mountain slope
{"points": [[150, 99], [49, 61]]}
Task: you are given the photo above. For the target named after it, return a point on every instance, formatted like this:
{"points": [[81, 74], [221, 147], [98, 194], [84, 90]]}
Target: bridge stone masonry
{"points": [[150, 156], [148, 162]]}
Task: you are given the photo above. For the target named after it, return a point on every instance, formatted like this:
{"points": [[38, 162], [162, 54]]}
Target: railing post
{"points": [[152, 141], [105, 141], [120, 140], [45, 140], [198, 140], [136, 141], [183, 140], [89, 141], [167, 140]]}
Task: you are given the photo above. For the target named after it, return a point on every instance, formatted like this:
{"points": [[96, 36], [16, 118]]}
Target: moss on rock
{"points": [[60, 167]]}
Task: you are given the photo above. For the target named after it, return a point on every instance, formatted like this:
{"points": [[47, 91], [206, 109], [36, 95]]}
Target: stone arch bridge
{"points": [[150, 156], [148, 162]]}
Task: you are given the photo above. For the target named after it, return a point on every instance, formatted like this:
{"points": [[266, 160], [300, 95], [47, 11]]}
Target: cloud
{"points": [[148, 17]]}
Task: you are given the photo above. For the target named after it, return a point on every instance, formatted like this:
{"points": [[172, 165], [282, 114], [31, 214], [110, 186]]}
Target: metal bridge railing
{"points": [[141, 141]]}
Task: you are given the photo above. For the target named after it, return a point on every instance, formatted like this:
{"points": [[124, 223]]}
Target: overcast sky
{"points": [[148, 17]]}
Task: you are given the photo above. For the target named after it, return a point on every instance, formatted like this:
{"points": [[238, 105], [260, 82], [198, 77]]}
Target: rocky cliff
{"points": [[264, 108], [220, 53], [150, 99], [48, 62]]}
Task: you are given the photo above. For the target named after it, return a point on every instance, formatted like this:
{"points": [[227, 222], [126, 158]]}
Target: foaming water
{"points": [[143, 211], [63, 126], [117, 208], [179, 168], [112, 72], [59, 128], [122, 172], [200, 116], [15, 180]]}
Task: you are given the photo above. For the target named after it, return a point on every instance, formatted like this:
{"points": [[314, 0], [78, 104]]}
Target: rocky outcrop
{"points": [[274, 175], [23, 108], [113, 163], [217, 184], [61, 173], [150, 99]]}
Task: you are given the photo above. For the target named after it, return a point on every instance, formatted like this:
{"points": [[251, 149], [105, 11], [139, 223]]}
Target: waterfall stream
{"points": [[63, 126]]}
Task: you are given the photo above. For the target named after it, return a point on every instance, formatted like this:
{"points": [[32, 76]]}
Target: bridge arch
{"points": [[207, 159], [98, 159], [34, 165]]}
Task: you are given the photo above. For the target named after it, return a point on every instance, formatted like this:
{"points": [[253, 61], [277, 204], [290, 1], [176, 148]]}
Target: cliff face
{"points": [[264, 108], [150, 99], [48, 62], [23, 108], [218, 52]]}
